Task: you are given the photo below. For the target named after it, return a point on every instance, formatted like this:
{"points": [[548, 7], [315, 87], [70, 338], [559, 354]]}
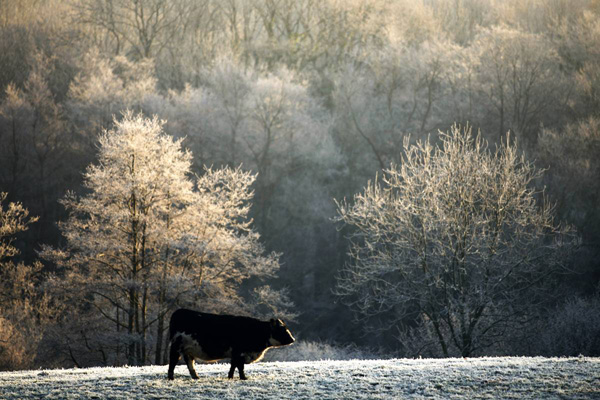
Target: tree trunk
{"points": [[159, 339], [439, 334], [144, 310], [161, 303], [130, 328], [138, 350], [118, 348]]}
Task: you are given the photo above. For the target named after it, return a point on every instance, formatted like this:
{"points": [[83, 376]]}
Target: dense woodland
{"points": [[277, 111]]}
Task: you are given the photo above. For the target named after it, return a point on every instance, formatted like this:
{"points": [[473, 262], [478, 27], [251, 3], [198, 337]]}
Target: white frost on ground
{"points": [[483, 378]]}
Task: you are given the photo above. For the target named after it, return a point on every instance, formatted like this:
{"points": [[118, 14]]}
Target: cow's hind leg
{"points": [[241, 370], [231, 370], [174, 356], [189, 360]]}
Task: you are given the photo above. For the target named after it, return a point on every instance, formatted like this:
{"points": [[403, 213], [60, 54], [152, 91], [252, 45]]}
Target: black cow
{"points": [[210, 337]]}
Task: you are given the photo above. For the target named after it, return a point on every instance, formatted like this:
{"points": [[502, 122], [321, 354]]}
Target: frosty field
{"points": [[491, 378]]}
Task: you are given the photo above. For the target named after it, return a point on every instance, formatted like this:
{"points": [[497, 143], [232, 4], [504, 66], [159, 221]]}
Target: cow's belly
{"points": [[192, 348], [250, 357]]}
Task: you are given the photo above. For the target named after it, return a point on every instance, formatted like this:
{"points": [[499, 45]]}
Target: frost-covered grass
{"points": [[492, 378], [304, 350]]}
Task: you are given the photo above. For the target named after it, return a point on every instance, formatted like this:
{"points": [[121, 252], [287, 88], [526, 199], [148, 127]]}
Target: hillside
{"points": [[493, 378]]}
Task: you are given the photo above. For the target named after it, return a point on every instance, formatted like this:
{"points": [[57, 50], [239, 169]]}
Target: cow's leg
{"points": [[189, 360], [232, 369], [240, 368], [174, 356], [237, 361]]}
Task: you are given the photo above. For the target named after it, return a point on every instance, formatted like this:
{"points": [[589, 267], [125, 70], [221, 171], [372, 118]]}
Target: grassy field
{"points": [[485, 378]]}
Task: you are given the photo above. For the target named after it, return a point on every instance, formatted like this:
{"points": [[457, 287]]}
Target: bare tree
{"points": [[33, 128], [144, 27], [460, 19], [519, 75], [454, 240], [571, 156], [403, 88], [105, 87]]}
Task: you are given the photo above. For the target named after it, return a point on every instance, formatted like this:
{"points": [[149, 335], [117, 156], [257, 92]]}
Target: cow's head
{"points": [[280, 334]]}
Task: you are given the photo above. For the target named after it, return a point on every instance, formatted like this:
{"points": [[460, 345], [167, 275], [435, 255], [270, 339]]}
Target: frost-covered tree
{"points": [[141, 27], [403, 88], [461, 19], [571, 156], [520, 79], [572, 329], [454, 240], [267, 122], [25, 309], [147, 238], [579, 47], [104, 87], [32, 130]]}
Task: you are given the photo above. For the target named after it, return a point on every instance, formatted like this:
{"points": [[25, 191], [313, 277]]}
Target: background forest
{"points": [[315, 98]]}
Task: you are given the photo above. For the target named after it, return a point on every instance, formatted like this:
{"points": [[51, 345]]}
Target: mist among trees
{"points": [[416, 177]]}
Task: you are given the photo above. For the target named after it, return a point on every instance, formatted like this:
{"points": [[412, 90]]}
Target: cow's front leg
{"points": [[189, 360], [240, 368], [237, 361], [174, 356]]}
